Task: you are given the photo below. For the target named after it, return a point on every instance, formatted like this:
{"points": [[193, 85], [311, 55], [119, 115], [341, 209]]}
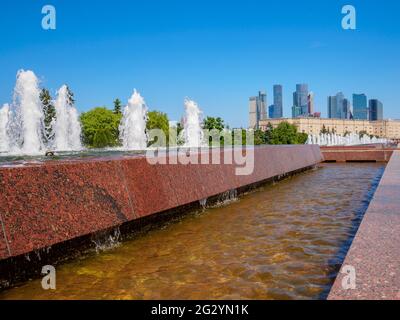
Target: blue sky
{"points": [[216, 52]]}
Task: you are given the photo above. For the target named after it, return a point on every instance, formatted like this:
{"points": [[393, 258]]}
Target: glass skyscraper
{"points": [[300, 101], [257, 109], [277, 107], [339, 107], [375, 110], [360, 107]]}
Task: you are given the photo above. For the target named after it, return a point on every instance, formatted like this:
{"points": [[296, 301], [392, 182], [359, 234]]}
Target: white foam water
{"points": [[4, 119], [26, 123], [133, 125], [67, 128], [192, 131]]}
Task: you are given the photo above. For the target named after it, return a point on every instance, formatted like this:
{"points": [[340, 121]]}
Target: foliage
{"points": [[100, 127], [211, 123], [117, 106], [215, 127], [286, 133], [158, 120], [103, 138], [49, 112]]}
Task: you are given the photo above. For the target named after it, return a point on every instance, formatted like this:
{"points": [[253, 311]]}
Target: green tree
{"points": [[158, 120], [323, 131], [268, 133], [215, 126], [49, 112], [117, 106], [100, 127], [103, 138], [302, 138], [211, 123], [260, 137], [286, 133]]}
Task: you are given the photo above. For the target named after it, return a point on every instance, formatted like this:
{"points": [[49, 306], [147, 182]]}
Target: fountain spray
{"points": [[193, 132], [26, 125], [4, 119], [133, 124], [67, 128]]}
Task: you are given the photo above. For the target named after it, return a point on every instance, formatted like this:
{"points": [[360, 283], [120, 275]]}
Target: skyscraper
{"points": [[332, 107], [271, 111], [257, 109], [300, 101], [375, 110], [310, 100], [278, 102], [339, 107], [347, 110], [360, 107]]}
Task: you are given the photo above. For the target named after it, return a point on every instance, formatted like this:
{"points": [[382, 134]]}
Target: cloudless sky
{"points": [[218, 53]]}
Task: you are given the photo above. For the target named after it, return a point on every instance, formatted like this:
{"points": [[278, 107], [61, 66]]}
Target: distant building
{"points": [[300, 101], [339, 107], [257, 109], [360, 107], [271, 111], [332, 107], [310, 100], [277, 107], [389, 129], [347, 110], [375, 110]]}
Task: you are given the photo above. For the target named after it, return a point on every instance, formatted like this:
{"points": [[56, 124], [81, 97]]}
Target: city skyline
{"points": [[338, 106]]}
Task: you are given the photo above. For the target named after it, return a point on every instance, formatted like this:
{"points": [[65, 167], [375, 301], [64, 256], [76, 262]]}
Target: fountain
{"points": [[22, 129], [26, 117], [192, 132], [67, 129], [4, 115], [333, 139], [133, 124]]}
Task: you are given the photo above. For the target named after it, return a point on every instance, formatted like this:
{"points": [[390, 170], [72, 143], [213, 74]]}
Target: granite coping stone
{"points": [[375, 251]]}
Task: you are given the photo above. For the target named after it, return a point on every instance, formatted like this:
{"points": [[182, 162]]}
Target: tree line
{"points": [[100, 126]]}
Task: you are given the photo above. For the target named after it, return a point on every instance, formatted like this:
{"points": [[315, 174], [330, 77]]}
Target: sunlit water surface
{"points": [[285, 241]]}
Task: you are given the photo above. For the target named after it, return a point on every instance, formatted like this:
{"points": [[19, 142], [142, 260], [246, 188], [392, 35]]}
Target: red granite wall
{"points": [[357, 153], [41, 205]]}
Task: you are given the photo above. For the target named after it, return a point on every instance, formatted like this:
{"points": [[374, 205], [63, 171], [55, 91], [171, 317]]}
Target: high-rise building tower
{"points": [[257, 109], [310, 100], [375, 110], [300, 101], [332, 107], [339, 107], [360, 107], [278, 102]]}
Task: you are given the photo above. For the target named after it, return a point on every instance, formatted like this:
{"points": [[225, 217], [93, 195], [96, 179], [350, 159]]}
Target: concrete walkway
{"points": [[375, 252]]}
